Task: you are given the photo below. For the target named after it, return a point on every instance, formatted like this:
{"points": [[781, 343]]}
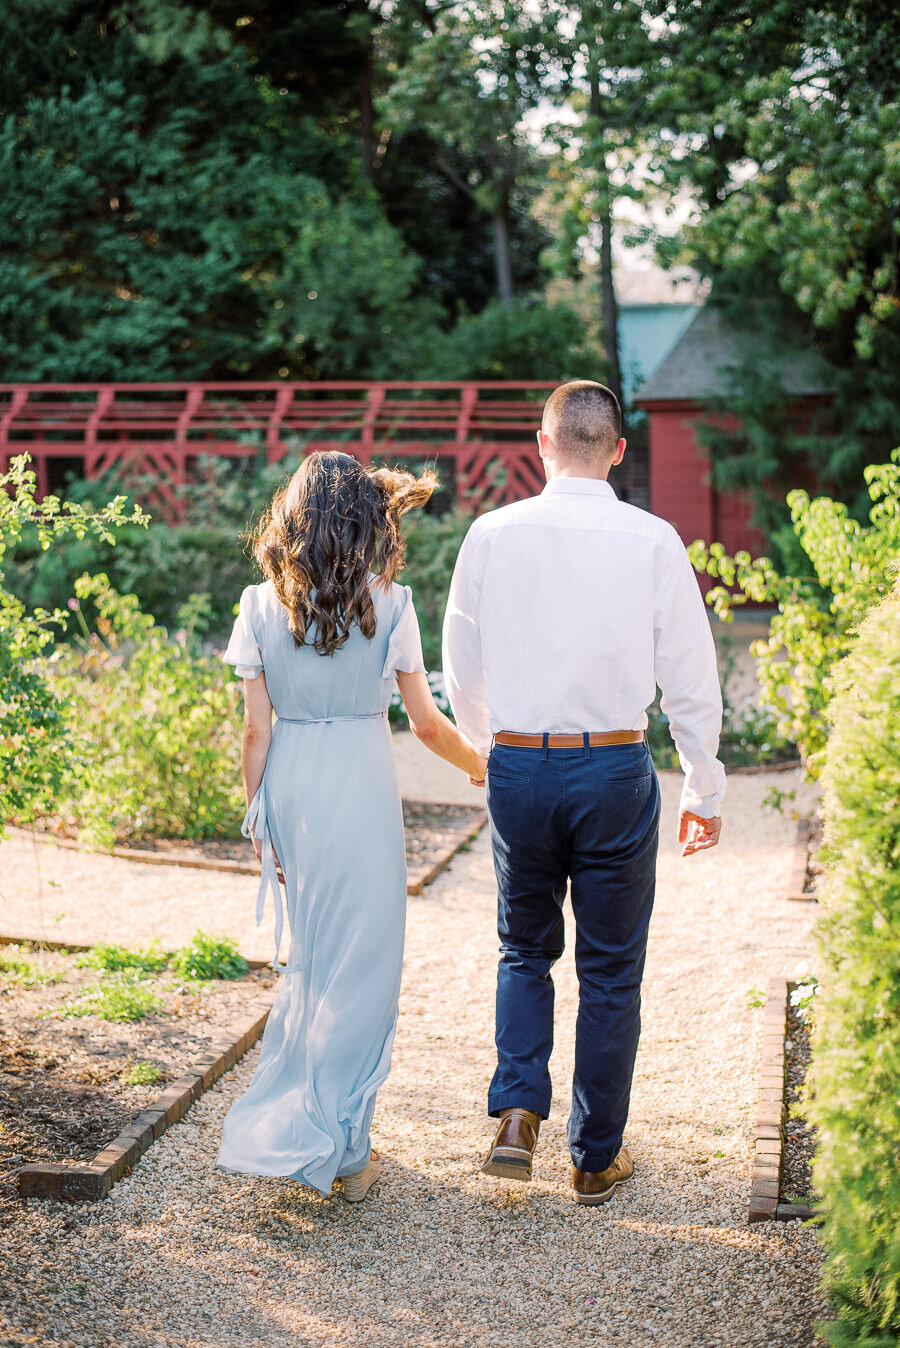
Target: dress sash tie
{"points": [[256, 825]]}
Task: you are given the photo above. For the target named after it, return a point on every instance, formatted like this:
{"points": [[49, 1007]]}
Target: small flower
{"points": [[74, 605]]}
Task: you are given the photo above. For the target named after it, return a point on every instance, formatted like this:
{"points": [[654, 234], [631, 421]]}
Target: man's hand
{"points": [[697, 833]]}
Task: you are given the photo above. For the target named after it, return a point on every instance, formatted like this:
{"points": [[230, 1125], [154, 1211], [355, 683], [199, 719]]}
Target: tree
{"points": [[159, 208], [470, 75], [783, 124], [602, 75]]}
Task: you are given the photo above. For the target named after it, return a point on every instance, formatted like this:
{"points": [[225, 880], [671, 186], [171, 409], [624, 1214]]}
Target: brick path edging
{"points": [[796, 887], [86, 1183], [768, 1153]]}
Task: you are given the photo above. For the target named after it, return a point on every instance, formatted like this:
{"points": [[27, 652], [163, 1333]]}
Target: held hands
{"points": [[477, 777], [696, 833]]}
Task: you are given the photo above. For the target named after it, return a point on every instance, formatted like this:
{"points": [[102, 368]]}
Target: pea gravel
{"points": [[180, 1256]]}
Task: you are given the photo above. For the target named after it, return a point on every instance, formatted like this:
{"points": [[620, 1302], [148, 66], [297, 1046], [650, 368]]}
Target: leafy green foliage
{"points": [[850, 567], [855, 1080], [119, 997], [37, 740], [432, 545], [115, 958], [15, 968], [198, 197], [140, 1073], [209, 957], [158, 731], [522, 339], [782, 122]]}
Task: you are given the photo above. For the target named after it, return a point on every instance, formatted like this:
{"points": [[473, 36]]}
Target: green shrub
{"points": [[163, 564], [158, 728], [855, 1078], [852, 566], [522, 339], [209, 957], [37, 731], [115, 958], [432, 543], [119, 997]]}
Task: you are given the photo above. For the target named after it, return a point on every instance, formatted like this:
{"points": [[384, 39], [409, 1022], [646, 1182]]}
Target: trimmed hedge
{"points": [[855, 1080]]}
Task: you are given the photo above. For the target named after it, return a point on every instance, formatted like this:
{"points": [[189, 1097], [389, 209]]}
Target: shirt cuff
{"points": [[247, 671], [707, 807]]}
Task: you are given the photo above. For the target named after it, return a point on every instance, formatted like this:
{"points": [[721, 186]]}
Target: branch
{"points": [[456, 178]]}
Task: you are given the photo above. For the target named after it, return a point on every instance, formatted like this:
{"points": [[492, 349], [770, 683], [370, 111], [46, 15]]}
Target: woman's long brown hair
{"points": [[325, 533]]}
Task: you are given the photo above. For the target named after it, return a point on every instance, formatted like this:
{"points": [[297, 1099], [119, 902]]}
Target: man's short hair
{"points": [[584, 420]]}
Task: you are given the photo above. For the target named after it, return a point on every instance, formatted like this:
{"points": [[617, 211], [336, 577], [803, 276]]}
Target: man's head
{"points": [[581, 430]]}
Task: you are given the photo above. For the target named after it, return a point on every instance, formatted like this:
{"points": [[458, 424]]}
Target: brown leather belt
{"points": [[595, 739]]}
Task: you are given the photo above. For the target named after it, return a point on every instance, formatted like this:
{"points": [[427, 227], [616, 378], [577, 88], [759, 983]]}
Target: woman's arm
{"points": [[435, 731], [257, 734]]}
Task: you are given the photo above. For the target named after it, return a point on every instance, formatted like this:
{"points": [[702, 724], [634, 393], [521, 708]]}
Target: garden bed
{"points": [[781, 1186], [69, 1085], [807, 872], [434, 833], [796, 1186]]}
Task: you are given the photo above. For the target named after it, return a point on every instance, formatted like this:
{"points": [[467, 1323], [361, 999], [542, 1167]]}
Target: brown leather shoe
{"points": [[513, 1147], [599, 1186]]}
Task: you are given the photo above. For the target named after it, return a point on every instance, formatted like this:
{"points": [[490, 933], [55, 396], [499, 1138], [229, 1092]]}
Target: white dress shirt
{"points": [[566, 611]]}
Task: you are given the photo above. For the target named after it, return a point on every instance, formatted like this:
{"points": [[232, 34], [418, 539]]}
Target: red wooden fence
{"points": [[485, 430]]}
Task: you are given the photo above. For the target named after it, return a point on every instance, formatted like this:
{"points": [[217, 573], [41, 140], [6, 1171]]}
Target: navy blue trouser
{"points": [[589, 816]]}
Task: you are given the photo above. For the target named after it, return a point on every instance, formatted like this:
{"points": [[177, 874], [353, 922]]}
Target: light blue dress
{"points": [[330, 805]]}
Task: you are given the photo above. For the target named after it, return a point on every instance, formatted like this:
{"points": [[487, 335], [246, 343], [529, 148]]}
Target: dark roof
{"points": [[705, 363]]}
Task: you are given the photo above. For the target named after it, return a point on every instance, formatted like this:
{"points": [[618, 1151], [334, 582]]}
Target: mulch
{"points": [[62, 1096], [799, 1134]]}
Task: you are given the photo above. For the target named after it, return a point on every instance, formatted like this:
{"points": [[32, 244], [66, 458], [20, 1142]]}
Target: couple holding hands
{"points": [[565, 612]]}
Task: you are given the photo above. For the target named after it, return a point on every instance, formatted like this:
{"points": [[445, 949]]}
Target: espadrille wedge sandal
{"points": [[357, 1186]]}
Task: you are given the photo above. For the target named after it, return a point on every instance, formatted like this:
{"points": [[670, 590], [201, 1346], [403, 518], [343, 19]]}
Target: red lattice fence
{"points": [[484, 433]]}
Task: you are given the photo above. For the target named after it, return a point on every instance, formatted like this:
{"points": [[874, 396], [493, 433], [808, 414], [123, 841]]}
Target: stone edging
{"points": [[415, 885], [796, 889], [88, 1182], [765, 1177]]}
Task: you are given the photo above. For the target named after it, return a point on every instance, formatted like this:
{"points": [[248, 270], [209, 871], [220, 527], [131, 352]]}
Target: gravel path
{"points": [[180, 1256]]}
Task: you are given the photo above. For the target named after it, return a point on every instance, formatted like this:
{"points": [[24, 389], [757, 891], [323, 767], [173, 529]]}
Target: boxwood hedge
{"points": [[856, 1075]]}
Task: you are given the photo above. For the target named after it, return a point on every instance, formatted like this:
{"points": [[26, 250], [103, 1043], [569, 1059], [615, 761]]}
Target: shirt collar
{"points": [[579, 486]]}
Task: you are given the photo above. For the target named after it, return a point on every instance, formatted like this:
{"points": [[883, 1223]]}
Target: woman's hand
{"points": [[257, 847], [477, 777]]}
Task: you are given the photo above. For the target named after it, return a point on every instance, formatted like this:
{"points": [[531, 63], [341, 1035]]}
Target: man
{"points": [[565, 612]]}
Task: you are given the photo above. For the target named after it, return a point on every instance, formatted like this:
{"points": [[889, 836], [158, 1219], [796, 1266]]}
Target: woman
{"points": [[321, 641]]}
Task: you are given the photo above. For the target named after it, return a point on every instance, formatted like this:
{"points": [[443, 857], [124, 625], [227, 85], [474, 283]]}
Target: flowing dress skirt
{"points": [[335, 819]]}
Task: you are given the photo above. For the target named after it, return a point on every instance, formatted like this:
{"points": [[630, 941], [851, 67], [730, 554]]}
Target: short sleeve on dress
{"points": [[243, 649], [404, 653]]}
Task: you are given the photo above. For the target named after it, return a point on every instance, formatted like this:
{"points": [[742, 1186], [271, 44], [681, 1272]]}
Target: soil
{"points": [[62, 1096], [431, 832], [799, 1135], [815, 872]]}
